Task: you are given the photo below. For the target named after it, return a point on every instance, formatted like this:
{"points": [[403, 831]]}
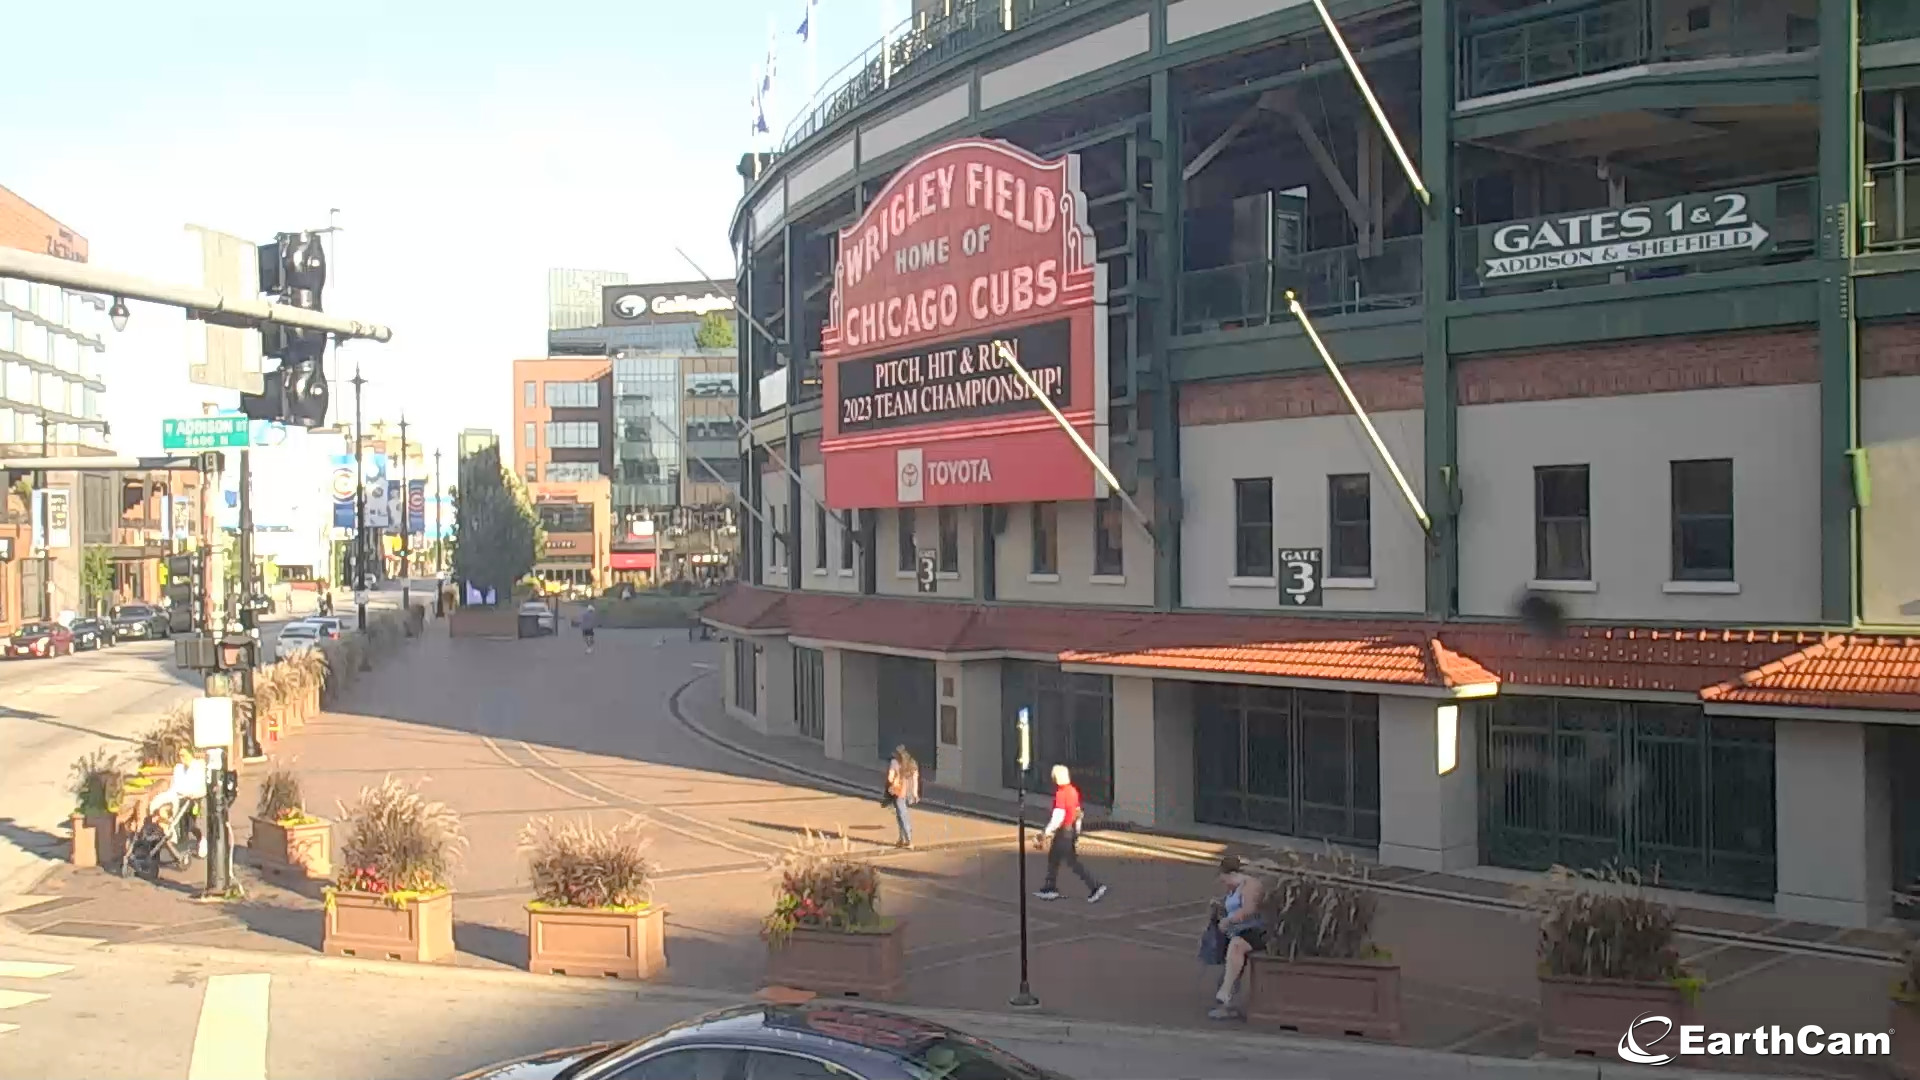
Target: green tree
{"points": [[499, 534], [715, 331], [96, 575]]}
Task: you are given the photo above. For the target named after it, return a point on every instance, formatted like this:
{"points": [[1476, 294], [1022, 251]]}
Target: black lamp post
{"points": [[1024, 999], [359, 503]]}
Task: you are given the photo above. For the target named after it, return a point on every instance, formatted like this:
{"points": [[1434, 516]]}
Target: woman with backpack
{"points": [[903, 790]]}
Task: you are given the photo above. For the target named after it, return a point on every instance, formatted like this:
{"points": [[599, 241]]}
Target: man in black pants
{"points": [[1062, 839]]}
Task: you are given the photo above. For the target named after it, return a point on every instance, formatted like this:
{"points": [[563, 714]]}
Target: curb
{"points": [[1199, 858], [1001, 1027]]}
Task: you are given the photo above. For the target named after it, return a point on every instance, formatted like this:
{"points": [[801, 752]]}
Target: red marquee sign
{"points": [[974, 245]]}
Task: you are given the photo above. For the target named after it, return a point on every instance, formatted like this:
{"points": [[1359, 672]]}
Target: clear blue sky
{"points": [[469, 147]]}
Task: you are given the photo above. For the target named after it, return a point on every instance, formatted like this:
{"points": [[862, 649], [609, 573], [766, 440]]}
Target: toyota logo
{"points": [[630, 306], [910, 475]]}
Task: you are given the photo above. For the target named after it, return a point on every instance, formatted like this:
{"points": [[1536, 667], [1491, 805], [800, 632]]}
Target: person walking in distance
{"points": [[589, 619], [1061, 839], [903, 790]]}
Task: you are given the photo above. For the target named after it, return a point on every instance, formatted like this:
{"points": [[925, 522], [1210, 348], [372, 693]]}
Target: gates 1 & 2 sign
{"points": [[975, 247], [1685, 228]]}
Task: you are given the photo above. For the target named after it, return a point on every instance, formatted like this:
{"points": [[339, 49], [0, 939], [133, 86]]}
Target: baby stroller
{"points": [[170, 834]]}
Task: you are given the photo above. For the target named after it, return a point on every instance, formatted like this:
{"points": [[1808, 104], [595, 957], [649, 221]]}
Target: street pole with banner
{"points": [[1024, 999], [249, 616], [406, 519], [439, 531], [359, 511]]}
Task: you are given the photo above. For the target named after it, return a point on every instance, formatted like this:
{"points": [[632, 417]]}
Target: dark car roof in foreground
{"points": [[870, 1042]]}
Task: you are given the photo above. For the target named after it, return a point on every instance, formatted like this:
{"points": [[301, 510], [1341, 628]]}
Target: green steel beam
{"points": [[1839, 193], [1280, 348], [799, 505], [1728, 87], [1168, 193], [1437, 67]]}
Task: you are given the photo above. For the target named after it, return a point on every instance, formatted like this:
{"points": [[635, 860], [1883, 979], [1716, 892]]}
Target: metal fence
{"points": [[916, 46], [1329, 281]]}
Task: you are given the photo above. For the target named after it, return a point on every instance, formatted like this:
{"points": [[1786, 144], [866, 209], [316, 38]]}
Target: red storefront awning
{"points": [[634, 560]]}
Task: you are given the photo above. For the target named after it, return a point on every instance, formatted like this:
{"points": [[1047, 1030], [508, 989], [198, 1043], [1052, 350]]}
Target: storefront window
{"points": [[1071, 725]]}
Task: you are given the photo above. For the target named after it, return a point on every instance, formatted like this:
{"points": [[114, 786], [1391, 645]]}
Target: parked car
{"points": [[330, 626], [816, 1039], [91, 633], [296, 638], [39, 640], [140, 622], [541, 618]]}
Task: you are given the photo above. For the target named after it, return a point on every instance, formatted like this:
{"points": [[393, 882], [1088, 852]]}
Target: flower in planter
{"points": [[280, 800], [99, 781], [579, 866], [1319, 913], [398, 843], [1601, 924], [823, 886], [160, 745]]}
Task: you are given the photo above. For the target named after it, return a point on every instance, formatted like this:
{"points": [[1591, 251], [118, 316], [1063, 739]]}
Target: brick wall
{"points": [[1380, 388], [1643, 366], [1888, 349]]}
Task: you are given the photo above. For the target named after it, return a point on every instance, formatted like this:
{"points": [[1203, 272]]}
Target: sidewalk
{"points": [[508, 731]]}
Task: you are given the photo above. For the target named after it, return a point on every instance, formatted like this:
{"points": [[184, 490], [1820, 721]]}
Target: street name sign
{"points": [[205, 433], [1685, 228]]}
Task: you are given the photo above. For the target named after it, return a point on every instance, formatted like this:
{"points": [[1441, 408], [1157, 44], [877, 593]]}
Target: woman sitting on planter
{"points": [[1246, 931]]}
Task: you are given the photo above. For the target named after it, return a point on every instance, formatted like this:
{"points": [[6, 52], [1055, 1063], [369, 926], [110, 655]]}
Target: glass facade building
{"points": [[573, 297], [646, 391], [51, 366]]}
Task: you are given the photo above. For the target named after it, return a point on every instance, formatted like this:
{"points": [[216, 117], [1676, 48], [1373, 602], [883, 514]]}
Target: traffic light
{"points": [[186, 583], [293, 270]]}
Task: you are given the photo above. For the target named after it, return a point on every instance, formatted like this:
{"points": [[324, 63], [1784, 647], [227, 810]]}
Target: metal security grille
{"points": [[1662, 788], [810, 692], [1903, 774], [746, 675], [1071, 724], [1300, 762], [909, 707]]}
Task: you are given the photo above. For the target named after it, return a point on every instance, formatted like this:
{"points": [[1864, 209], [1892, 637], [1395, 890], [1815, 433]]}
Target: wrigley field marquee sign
{"points": [[974, 248], [1686, 228]]}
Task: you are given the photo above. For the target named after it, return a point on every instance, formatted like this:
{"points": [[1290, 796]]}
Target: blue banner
{"points": [[343, 486], [416, 506]]}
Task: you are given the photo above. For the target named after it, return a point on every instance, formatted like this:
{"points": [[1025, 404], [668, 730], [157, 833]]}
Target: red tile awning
{"points": [[1844, 671], [1756, 667]]}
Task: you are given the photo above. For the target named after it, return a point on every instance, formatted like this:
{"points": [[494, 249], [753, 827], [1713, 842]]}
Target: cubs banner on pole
{"points": [[416, 506], [342, 485]]}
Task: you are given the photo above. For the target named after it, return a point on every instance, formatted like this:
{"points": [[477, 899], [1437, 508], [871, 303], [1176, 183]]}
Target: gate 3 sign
{"points": [[974, 246], [1685, 228]]}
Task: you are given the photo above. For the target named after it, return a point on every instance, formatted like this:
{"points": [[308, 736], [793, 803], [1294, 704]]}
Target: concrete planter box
{"points": [[369, 926], [863, 964], [597, 942], [1587, 1016], [484, 622], [96, 841], [299, 850], [1904, 1018], [1325, 997]]}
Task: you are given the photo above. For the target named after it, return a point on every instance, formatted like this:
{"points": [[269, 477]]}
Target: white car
{"points": [[296, 638], [548, 624]]}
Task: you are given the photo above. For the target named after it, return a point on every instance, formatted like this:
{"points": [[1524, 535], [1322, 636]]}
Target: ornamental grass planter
{"points": [[846, 963], [1317, 996], [410, 927], [1904, 1018], [96, 841], [1586, 1017], [293, 848], [609, 943]]}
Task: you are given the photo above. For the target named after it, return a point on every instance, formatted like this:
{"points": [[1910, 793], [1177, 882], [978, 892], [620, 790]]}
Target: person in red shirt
{"points": [[1062, 839]]}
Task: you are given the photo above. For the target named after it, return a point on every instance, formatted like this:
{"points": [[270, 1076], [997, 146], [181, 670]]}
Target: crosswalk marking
{"points": [[231, 1041], [10, 999], [30, 969], [4, 1028]]}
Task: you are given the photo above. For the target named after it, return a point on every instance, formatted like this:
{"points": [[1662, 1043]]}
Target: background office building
{"points": [[1643, 340]]}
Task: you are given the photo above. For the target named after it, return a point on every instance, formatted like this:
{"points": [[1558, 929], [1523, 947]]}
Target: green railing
{"points": [[1329, 281], [1888, 20], [1552, 42], [1792, 229], [916, 46]]}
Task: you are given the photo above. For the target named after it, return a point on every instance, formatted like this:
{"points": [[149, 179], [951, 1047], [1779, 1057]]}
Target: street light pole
{"points": [[359, 502], [439, 534], [1024, 999], [46, 524]]}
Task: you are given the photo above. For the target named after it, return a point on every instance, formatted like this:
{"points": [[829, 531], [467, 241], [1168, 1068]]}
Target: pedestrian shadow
{"points": [[28, 838]]}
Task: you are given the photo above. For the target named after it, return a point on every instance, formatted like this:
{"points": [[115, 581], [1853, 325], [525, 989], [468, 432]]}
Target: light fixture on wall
{"points": [[118, 314], [1446, 732]]}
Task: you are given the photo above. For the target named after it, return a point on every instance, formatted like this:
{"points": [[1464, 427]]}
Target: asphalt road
{"points": [[168, 1012], [54, 711]]}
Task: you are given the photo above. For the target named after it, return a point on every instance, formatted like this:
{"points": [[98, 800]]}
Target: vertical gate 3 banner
{"points": [[974, 245]]}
